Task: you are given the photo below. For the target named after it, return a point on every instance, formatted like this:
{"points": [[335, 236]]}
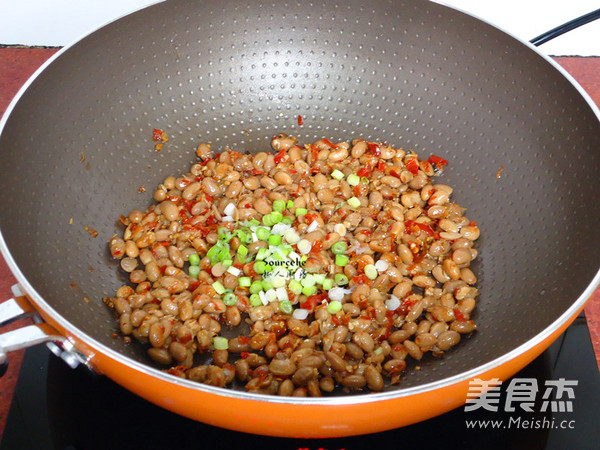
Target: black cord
{"points": [[565, 27]]}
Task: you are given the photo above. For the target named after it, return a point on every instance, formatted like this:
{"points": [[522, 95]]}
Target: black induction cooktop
{"points": [[55, 407]]}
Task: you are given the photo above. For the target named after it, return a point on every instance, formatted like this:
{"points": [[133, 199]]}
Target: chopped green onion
{"points": [[194, 259], [378, 350], [242, 250], [262, 233], [213, 252], [278, 282], [337, 174], [309, 280], [266, 285], [276, 217], [262, 253], [194, 271], [271, 295], [295, 286], [287, 249], [285, 307], [255, 222], [309, 290], [354, 202], [291, 236], [287, 220], [327, 284], [364, 180], [267, 220], [219, 288], [341, 260], [223, 232], [220, 343], [244, 259], [304, 246], [282, 294], [242, 236], [290, 204], [245, 281], [255, 300], [274, 239], [370, 271], [278, 205], [334, 306], [341, 279], [227, 263], [229, 298], [234, 271], [260, 267], [339, 248], [223, 255], [319, 278], [256, 287], [301, 211], [353, 179]]}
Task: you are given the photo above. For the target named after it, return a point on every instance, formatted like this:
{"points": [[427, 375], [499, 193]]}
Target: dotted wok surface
{"points": [[78, 145]]}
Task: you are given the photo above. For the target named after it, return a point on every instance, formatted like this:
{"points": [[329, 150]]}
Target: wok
{"points": [[77, 146]]}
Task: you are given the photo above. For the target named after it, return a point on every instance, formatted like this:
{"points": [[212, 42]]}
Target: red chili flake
{"points": [[394, 173], [92, 232], [209, 199], [73, 285], [211, 221], [499, 173], [194, 286], [362, 279], [381, 166], [313, 301], [300, 121], [473, 223], [256, 172], [412, 164], [437, 161], [365, 232], [421, 226], [243, 339], [459, 315], [279, 156], [374, 148], [244, 355], [314, 151], [243, 300], [316, 248], [315, 170], [293, 171], [157, 135], [407, 305], [364, 172], [329, 143], [310, 218]]}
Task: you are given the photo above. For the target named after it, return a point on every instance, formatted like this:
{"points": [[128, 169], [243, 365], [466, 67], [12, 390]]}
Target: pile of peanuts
{"points": [[419, 300]]}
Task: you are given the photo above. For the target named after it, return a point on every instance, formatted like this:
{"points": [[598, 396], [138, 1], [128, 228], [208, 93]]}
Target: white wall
{"points": [[59, 22]]}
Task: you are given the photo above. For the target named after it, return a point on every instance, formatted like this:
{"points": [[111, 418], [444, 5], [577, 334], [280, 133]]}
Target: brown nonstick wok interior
{"points": [[77, 147]]}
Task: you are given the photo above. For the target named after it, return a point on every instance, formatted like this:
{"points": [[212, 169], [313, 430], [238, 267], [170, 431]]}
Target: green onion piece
{"points": [[295, 286], [229, 298], [370, 271], [287, 249], [341, 260], [256, 287], [266, 285], [334, 306], [262, 253], [194, 259], [220, 343], [245, 259], [327, 284], [255, 300], [291, 236], [341, 279], [319, 278], [255, 222], [339, 248], [285, 307], [354, 202], [301, 211], [364, 180], [337, 174], [242, 250], [378, 350], [290, 204], [353, 179], [227, 263], [260, 267], [278, 205], [287, 220], [274, 240], [194, 271], [309, 290], [309, 280], [263, 233], [267, 220], [224, 255], [304, 246], [244, 281], [276, 217], [213, 252], [242, 235], [219, 288], [278, 282]]}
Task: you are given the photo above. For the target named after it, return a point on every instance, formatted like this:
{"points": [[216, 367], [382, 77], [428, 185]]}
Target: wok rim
{"points": [[351, 399]]}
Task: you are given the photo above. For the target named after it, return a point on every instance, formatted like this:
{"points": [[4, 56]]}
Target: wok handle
{"points": [[19, 307]]}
